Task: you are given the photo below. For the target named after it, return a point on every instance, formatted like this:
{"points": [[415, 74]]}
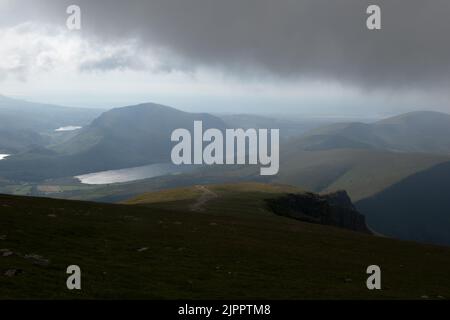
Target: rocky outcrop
{"points": [[334, 209]]}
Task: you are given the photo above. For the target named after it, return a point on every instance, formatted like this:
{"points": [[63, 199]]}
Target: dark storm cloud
{"points": [[312, 39]]}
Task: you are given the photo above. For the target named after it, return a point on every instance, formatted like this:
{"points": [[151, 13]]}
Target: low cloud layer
{"points": [[282, 42], [317, 39]]}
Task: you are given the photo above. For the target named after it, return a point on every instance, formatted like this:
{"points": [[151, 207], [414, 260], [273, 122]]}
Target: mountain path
{"points": [[206, 196]]}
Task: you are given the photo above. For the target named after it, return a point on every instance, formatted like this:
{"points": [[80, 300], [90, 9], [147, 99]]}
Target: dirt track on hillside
{"points": [[206, 196]]}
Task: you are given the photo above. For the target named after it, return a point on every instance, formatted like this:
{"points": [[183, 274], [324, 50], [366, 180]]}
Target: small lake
{"points": [[3, 156], [68, 128], [133, 174]]}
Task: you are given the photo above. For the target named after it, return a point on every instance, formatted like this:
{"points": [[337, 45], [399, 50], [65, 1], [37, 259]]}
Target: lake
{"points": [[133, 174], [68, 128]]}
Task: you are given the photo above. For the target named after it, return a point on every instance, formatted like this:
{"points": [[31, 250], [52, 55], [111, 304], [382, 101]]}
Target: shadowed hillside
{"points": [[232, 248], [361, 172], [416, 208]]}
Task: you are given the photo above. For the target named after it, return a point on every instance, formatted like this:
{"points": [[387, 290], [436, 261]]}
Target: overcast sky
{"points": [[305, 56]]}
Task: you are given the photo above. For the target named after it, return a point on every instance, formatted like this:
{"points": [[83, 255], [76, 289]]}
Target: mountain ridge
{"points": [[419, 131], [119, 138]]}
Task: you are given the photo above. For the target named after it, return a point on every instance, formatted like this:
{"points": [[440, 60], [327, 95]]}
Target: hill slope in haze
{"points": [[143, 130], [16, 141], [421, 131], [119, 138], [25, 125], [416, 208], [361, 172], [289, 128], [229, 247], [38, 117]]}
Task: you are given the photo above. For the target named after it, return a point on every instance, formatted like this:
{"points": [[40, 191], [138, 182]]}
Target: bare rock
{"points": [[335, 209], [12, 272], [6, 252], [37, 259]]}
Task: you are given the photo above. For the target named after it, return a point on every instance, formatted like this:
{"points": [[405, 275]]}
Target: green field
{"points": [[217, 242]]}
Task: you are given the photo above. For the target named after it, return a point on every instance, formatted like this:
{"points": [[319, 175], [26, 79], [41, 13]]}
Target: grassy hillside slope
{"points": [[416, 208], [361, 172], [228, 246]]}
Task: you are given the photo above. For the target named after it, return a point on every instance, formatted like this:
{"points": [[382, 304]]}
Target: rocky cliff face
{"points": [[334, 209]]}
